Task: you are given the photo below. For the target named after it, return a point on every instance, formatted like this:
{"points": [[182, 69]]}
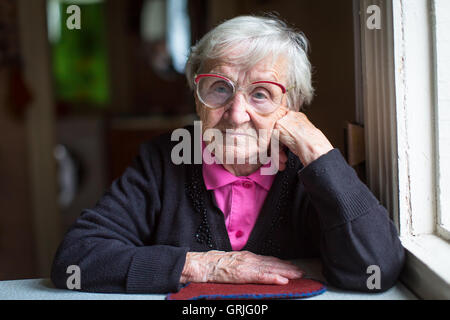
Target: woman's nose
{"points": [[236, 112]]}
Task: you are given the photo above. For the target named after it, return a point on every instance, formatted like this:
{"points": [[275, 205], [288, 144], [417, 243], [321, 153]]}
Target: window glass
{"points": [[79, 56]]}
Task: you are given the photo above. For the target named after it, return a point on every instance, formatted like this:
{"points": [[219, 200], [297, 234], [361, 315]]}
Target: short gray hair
{"points": [[263, 36]]}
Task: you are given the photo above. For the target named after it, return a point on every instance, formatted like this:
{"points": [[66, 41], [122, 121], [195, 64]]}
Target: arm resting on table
{"points": [[355, 229], [106, 242]]}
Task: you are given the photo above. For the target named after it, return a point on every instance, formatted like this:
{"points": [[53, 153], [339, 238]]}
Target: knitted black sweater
{"points": [[136, 237]]}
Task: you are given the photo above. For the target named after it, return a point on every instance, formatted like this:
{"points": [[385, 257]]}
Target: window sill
{"points": [[427, 268]]}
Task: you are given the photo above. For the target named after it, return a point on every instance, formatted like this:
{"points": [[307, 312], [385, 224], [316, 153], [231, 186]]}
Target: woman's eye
{"points": [[220, 87], [260, 95]]}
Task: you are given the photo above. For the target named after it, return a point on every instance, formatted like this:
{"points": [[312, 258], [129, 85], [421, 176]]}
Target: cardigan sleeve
{"points": [[108, 241], [355, 230]]}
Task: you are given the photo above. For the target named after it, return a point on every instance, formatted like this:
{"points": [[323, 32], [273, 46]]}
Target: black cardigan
{"points": [[136, 237]]}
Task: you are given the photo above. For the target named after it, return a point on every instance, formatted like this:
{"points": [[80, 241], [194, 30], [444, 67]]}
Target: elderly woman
{"points": [[163, 224]]}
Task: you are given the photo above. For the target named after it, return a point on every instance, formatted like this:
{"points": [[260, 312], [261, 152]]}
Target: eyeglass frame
{"points": [[197, 78]]}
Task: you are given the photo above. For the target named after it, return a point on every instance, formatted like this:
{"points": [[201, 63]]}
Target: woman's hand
{"points": [[237, 267], [301, 137]]}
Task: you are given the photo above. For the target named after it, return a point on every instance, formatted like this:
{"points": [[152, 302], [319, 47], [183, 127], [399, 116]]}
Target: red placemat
{"points": [[298, 288]]}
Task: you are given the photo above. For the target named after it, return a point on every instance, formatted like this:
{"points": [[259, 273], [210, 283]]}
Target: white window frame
{"points": [[399, 89], [441, 25]]}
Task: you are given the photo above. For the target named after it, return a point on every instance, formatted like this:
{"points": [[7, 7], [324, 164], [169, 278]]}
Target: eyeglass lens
{"points": [[216, 92]]}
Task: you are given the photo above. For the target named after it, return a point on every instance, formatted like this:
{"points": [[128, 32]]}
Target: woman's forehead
{"points": [[265, 69]]}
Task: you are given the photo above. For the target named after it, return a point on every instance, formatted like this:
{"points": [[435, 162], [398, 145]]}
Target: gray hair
{"points": [[262, 36]]}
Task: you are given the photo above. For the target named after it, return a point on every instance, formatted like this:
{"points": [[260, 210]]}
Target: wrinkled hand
{"points": [[301, 137], [237, 267]]}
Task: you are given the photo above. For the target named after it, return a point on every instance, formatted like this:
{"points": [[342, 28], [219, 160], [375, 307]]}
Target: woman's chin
{"points": [[233, 156]]}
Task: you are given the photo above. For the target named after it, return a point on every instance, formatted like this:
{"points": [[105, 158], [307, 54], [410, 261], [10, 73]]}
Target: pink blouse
{"points": [[239, 198]]}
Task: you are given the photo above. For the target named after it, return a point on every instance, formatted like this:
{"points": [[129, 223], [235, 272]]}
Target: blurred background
{"points": [[76, 104]]}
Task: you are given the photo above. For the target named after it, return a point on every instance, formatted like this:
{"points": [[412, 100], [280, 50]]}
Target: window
{"points": [[79, 57], [441, 22], [405, 68], [166, 25]]}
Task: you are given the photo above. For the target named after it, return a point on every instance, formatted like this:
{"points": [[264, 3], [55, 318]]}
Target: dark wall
{"points": [[17, 259]]}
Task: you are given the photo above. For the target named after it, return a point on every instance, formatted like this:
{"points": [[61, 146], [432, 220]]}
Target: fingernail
{"points": [[284, 280]]}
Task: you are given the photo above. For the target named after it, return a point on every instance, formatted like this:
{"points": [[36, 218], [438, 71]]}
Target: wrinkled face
{"points": [[246, 133]]}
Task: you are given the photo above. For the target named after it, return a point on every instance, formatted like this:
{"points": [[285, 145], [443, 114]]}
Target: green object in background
{"points": [[80, 65]]}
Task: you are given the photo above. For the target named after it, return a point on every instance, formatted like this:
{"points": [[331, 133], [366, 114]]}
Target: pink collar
{"points": [[216, 176]]}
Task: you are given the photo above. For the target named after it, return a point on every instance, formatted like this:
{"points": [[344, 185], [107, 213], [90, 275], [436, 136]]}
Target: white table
{"points": [[43, 289]]}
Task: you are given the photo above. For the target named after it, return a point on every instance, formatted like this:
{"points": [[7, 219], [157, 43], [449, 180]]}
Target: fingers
{"points": [[277, 269], [270, 278], [289, 271], [266, 275], [247, 267], [281, 112], [289, 274], [275, 262], [284, 128]]}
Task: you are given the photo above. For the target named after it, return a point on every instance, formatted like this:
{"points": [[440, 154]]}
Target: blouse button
{"points": [[239, 234], [247, 184]]}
